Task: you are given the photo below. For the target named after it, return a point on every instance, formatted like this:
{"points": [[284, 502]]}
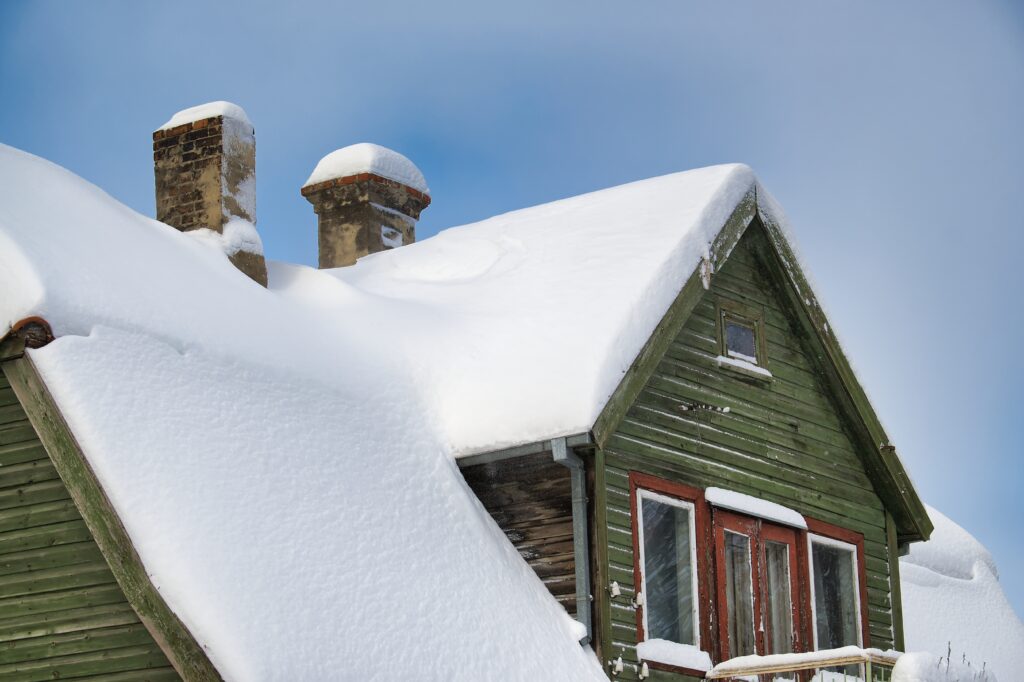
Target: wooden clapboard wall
{"points": [[62, 615], [531, 499], [783, 440]]}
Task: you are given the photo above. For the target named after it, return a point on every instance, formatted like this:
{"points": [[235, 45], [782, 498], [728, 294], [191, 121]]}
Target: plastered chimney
{"points": [[367, 198], [205, 165]]}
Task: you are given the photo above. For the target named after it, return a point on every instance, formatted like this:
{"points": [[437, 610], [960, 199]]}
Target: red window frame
{"points": [[702, 527], [828, 530], [712, 607], [759, 531]]}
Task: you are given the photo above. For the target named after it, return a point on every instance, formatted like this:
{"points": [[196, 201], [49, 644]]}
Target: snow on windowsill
{"points": [[673, 653], [742, 664], [743, 367], [754, 506]]}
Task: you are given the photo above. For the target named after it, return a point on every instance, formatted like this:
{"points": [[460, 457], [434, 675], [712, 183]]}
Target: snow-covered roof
{"points": [[366, 157], [282, 458], [208, 110]]}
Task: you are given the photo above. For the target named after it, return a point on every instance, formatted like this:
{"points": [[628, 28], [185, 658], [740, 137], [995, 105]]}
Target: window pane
{"points": [[779, 601], [835, 597], [668, 572], [739, 341], [739, 595]]}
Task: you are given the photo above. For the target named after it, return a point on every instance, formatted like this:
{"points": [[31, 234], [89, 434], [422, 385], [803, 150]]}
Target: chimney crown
{"points": [[368, 158], [208, 110], [367, 199]]}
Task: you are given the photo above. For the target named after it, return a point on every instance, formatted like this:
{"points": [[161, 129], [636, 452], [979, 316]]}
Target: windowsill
{"points": [[742, 367], [672, 655]]}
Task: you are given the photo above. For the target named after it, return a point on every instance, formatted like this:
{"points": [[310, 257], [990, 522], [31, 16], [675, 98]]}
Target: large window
{"points": [[835, 593], [733, 575], [671, 575], [757, 585], [668, 567]]}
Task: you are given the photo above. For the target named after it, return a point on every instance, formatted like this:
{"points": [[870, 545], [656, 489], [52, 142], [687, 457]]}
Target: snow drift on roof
{"points": [[368, 158], [952, 599], [520, 327], [282, 458], [208, 110], [283, 483]]}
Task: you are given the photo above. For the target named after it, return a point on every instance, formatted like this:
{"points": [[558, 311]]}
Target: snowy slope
{"points": [[952, 598]]}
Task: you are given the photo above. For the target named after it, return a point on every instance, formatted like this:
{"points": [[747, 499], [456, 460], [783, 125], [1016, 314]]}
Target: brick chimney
{"points": [[205, 165], [367, 199]]}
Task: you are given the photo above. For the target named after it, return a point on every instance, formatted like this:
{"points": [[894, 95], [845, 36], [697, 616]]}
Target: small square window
{"points": [[740, 340]]}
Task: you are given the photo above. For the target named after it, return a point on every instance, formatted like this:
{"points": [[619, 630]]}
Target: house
{"points": [[333, 473]]}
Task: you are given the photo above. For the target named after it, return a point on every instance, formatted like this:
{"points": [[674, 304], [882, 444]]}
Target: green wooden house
{"points": [[638, 387], [742, 396]]}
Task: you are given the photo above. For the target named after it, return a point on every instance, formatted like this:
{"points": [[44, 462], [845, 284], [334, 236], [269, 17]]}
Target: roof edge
{"points": [[170, 633], [910, 510], [31, 332], [914, 517], [646, 361]]}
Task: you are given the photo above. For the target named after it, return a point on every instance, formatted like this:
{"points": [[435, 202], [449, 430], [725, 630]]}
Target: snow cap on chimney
{"points": [[367, 199]]}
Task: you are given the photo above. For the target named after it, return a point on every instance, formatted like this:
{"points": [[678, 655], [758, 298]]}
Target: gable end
{"points": [[887, 472]]}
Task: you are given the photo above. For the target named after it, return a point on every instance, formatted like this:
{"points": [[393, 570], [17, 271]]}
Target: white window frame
{"points": [[825, 540], [641, 494]]}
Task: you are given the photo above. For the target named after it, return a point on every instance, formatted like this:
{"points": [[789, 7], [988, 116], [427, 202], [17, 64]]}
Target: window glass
{"points": [[836, 619], [739, 595], [779, 600], [668, 570], [740, 341]]}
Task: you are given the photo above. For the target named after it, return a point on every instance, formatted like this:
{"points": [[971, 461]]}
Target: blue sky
{"points": [[890, 132]]}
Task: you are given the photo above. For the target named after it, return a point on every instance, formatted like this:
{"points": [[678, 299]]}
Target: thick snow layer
{"points": [[368, 158], [754, 506], [283, 481], [575, 287], [208, 110], [673, 653], [952, 601], [925, 667]]}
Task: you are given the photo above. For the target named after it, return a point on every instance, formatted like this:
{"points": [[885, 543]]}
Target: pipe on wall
{"points": [[564, 455]]}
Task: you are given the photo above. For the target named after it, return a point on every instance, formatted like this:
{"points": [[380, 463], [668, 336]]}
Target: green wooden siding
{"points": [[783, 440], [530, 498], [62, 614]]}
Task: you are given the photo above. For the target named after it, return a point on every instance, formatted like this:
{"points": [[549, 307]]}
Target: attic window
{"points": [[741, 339]]}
